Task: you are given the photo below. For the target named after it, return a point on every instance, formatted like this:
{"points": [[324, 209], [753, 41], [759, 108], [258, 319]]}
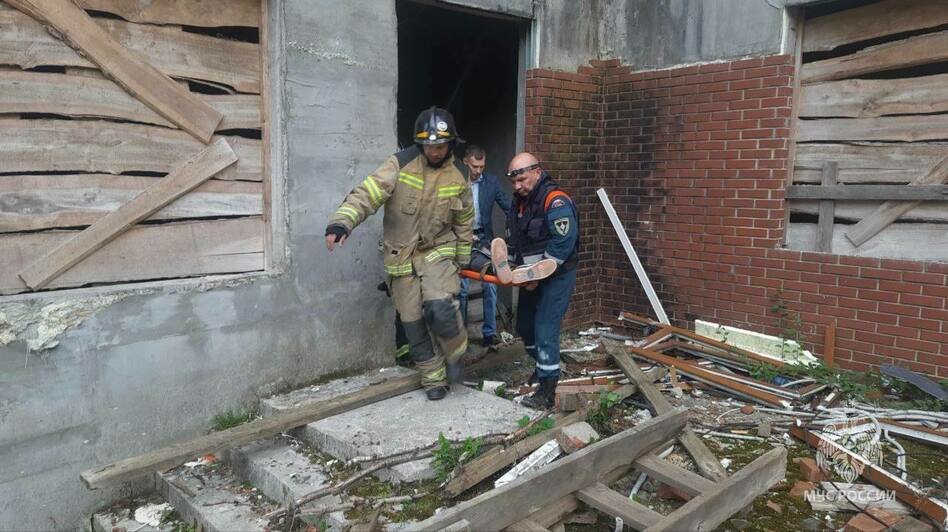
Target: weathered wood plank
{"points": [[179, 54], [193, 171], [177, 454], [903, 241], [112, 148], [83, 96], [128, 69], [674, 476], [508, 504], [34, 202], [890, 211], [144, 252], [870, 21], [182, 12], [710, 509], [868, 162], [865, 98], [707, 463], [899, 128], [635, 515], [853, 211], [824, 241], [913, 51], [869, 192]]}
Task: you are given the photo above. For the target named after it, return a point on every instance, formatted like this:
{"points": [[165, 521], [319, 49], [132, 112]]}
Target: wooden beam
{"points": [[868, 162], [84, 96], [179, 54], [527, 525], [56, 146], [633, 514], [196, 170], [929, 241], [869, 192], [871, 21], [932, 508], [887, 128], [145, 82], [827, 216], [829, 345], [890, 211], [676, 477], [865, 98], [471, 473], [35, 202], [508, 504], [707, 463], [179, 453], [913, 51], [710, 509], [182, 12]]}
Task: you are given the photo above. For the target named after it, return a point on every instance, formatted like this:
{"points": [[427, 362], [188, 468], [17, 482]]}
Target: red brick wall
{"points": [[695, 161]]}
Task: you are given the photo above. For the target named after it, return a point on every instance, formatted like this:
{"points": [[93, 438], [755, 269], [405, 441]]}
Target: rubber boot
{"points": [[436, 393], [545, 397]]}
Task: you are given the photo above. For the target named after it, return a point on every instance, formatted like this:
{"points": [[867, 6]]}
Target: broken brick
{"points": [[775, 507], [810, 470], [748, 409], [865, 523], [664, 491], [910, 524], [800, 488]]}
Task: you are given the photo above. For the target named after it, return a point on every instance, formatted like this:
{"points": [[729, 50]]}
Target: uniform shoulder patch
{"points": [[562, 225], [557, 202]]}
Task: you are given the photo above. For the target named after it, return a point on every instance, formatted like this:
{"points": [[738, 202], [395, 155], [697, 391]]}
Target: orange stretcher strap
{"points": [[487, 278]]}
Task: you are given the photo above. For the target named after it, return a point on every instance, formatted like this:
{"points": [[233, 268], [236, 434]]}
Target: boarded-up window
{"points": [[872, 135], [76, 145]]}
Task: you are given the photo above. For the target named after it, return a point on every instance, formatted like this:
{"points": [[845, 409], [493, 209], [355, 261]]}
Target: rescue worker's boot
{"points": [[455, 372], [436, 393], [545, 397], [536, 271]]}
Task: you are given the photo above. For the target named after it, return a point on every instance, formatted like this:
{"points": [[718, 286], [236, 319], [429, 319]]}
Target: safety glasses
{"points": [[518, 171]]}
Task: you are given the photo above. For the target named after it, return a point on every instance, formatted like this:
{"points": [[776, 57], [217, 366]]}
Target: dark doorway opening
{"points": [[465, 62]]}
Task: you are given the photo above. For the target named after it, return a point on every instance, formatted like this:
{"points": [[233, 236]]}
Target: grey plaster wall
{"points": [[155, 367], [652, 34]]}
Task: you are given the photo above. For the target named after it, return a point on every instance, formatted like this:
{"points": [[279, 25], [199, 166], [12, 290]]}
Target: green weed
{"points": [[230, 419], [448, 456]]}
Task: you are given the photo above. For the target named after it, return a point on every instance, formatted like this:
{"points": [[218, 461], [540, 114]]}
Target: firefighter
{"points": [[543, 224], [427, 236]]}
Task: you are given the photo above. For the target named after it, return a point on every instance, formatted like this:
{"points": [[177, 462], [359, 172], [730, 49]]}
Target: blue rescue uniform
{"points": [[545, 225]]}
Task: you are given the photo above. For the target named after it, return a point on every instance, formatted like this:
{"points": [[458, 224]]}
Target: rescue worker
{"points": [[427, 236], [543, 224]]}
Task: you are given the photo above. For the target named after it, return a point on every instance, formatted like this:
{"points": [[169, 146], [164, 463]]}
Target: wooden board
{"points": [[887, 128], [193, 171], [869, 192], [824, 239], [633, 514], [676, 477], [854, 211], [890, 211], [707, 463], [177, 454], [710, 509], [82, 96], [508, 504], [865, 98], [144, 252], [913, 51], [127, 68], [868, 162], [35, 202], [113, 148], [871, 21], [185, 12], [25, 43], [929, 242]]}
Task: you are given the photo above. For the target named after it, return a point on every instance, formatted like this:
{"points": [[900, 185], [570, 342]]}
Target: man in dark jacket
{"points": [[486, 190]]}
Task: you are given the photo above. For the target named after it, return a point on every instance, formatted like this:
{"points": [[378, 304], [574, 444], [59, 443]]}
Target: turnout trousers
{"points": [[426, 301], [540, 313]]}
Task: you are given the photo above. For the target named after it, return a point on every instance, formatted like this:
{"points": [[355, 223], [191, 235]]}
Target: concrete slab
{"points": [[283, 473], [108, 521], [214, 498], [328, 390], [411, 421]]}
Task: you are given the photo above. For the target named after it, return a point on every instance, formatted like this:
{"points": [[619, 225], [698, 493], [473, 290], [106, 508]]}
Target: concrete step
{"points": [[282, 472], [411, 421], [213, 497], [328, 390]]}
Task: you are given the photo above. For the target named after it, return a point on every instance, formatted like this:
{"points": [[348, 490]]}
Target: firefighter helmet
{"points": [[435, 126]]}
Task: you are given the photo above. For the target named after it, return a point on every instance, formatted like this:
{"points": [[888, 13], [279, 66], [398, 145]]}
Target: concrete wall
{"points": [[156, 365]]}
